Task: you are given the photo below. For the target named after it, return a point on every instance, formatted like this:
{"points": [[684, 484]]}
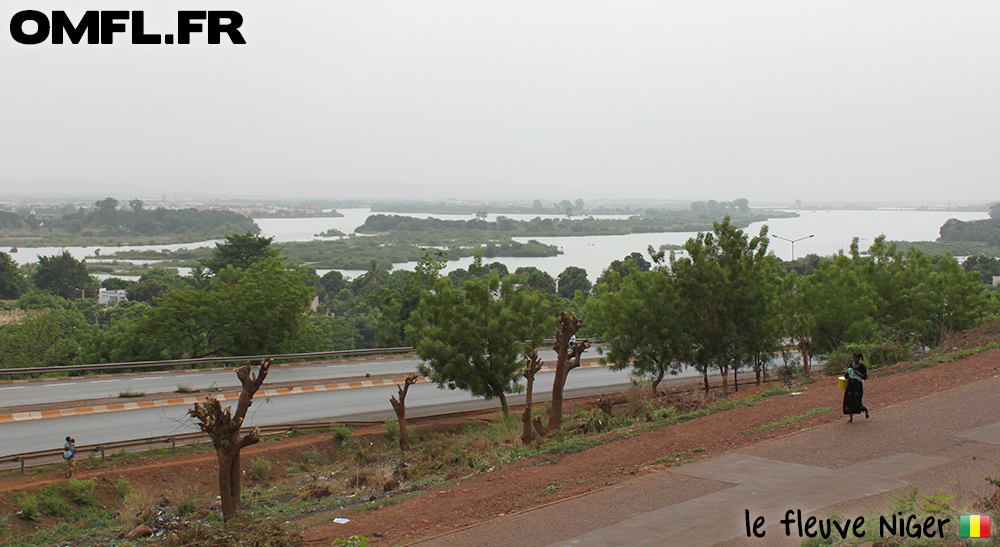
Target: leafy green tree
{"points": [[473, 337], [107, 212], [240, 251], [986, 266], [12, 282], [117, 284], [642, 324], [257, 311], [64, 276], [37, 300], [44, 339], [720, 282], [573, 279], [154, 284], [533, 277]]}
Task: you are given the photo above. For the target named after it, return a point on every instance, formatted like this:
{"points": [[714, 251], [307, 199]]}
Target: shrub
{"points": [[259, 468], [342, 434], [28, 508], [81, 492]]}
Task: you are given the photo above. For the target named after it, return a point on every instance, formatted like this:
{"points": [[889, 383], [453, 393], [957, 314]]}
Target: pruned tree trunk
{"points": [[224, 430], [705, 374], [736, 379], [657, 380], [804, 349], [399, 405], [568, 358], [724, 369], [531, 367]]}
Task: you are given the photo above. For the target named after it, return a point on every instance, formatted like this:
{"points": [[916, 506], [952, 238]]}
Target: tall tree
{"points": [[64, 276], [720, 281], [573, 279], [12, 282], [568, 353], [240, 251], [224, 430], [473, 337], [642, 325], [254, 312]]}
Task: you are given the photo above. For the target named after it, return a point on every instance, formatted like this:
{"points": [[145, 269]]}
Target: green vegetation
{"points": [[787, 421], [107, 223], [651, 221], [130, 393], [475, 336], [355, 253]]}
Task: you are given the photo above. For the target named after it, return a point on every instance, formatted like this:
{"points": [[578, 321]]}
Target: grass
{"points": [[677, 457], [790, 420], [128, 393], [182, 388], [937, 358]]}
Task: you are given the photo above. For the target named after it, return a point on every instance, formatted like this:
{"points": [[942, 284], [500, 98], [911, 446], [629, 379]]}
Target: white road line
{"points": [[191, 375], [153, 378], [66, 384], [15, 387], [102, 381]]}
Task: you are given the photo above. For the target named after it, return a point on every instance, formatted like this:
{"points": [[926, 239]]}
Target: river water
{"points": [[831, 232]]}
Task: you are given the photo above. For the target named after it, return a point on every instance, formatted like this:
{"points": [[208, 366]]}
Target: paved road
{"points": [[77, 389], [944, 443], [359, 404]]}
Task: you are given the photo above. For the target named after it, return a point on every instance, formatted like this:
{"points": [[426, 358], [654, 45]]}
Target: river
{"points": [[831, 232]]}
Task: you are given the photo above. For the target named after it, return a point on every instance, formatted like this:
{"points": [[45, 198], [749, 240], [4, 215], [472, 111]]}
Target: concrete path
{"points": [[943, 443]]}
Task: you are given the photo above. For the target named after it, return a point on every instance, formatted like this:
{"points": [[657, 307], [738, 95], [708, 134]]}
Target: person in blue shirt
{"points": [[69, 452], [856, 375]]}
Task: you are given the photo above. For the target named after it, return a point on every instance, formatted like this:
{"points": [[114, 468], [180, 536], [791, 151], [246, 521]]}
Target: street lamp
{"points": [[792, 241]]}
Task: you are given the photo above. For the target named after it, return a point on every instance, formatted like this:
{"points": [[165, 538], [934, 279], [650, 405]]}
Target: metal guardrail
{"points": [[205, 360], [164, 441]]}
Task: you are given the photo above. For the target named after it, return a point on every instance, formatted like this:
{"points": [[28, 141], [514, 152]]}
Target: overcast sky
{"points": [[843, 101]]}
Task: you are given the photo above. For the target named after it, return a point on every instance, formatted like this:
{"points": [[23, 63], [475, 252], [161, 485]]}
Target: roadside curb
{"points": [[214, 369], [184, 401]]}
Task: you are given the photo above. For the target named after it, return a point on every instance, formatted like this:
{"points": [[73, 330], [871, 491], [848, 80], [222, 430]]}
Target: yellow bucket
{"points": [[843, 382]]}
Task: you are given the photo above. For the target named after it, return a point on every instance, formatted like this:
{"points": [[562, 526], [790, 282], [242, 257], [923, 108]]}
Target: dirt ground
{"points": [[527, 483]]}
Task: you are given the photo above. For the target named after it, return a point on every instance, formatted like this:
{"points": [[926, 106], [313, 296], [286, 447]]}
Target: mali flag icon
{"points": [[974, 526]]}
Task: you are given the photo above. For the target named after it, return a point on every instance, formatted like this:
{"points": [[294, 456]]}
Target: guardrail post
{"points": [[173, 444], [102, 453], [22, 465]]}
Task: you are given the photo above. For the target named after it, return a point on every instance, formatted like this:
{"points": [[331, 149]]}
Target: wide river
{"points": [[831, 231]]}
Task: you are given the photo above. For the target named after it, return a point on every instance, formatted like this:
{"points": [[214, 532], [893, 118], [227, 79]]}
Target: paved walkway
{"points": [[946, 442]]}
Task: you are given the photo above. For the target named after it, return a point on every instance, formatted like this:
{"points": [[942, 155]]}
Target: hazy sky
{"points": [[810, 100]]}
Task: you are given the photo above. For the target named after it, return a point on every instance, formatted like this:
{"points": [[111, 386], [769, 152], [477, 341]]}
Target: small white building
{"points": [[110, 298]]}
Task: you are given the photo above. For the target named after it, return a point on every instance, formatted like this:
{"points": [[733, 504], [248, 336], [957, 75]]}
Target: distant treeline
{"points": [[356, 253], [106, 219], [681, 221], [982, 231]]}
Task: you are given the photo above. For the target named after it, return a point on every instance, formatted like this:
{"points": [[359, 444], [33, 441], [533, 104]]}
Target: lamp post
{"points": [[792, 241]]}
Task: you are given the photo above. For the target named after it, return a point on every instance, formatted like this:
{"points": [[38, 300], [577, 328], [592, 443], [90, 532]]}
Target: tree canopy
{"points": [[473, 337]]}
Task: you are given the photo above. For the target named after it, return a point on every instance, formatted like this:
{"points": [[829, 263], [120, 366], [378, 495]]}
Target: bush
{"points": [[185, 508], [259, 468], [28, 508], [53, 503], [342, 435], [122, 487], [81, 492]]}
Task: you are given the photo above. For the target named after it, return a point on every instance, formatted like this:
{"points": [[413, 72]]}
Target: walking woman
{"points": [[857, 373]]}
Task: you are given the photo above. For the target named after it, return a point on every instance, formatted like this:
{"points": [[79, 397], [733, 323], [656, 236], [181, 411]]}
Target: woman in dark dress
{"points": [[856, 375]]}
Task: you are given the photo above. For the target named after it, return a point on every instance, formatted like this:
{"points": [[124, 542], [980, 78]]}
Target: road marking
{"points": [[66, 384], [102, 381], [153, 378], [15, 387]]}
